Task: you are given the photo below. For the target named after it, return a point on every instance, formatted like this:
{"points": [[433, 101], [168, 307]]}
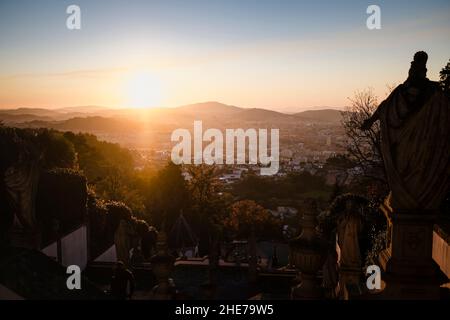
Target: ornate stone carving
{"points": [[308, 253], [162, 266], [415, 140]]}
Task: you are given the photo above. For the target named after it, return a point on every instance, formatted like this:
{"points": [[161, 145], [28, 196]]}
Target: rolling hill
{"points": [[328, 115], [94, 119]]}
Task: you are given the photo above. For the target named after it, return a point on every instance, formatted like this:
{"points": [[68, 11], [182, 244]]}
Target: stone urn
{"points": [[162, 266], [308, 254]]}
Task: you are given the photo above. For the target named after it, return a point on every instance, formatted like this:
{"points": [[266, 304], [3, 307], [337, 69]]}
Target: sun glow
{"points": [[144, 90]]}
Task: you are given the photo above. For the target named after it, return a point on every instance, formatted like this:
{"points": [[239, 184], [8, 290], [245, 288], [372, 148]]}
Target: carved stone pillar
{"points": [[409, 269], [308, 253], [350, 284], [162, 267]]}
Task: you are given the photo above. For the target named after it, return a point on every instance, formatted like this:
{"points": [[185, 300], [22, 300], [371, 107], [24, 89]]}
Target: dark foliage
{"points": [[444, 77], [105, 217], [166, 196], [295, 185], [373, 222], [60, 202]]}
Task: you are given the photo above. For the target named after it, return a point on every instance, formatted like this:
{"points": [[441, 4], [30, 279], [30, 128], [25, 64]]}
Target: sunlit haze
{"points": [[284, 56], [143, 90]]}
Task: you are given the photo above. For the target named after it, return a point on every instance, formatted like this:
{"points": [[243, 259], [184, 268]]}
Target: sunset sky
{"points": [[281, 55]]}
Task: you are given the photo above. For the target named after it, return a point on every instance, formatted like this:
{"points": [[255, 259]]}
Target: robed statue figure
{"points": [[415, 140]]}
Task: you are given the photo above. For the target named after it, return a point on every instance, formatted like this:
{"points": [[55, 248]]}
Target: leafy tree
{"points": [[253, 187], [202, 187], [301, 182], [167, 195], [444, 77], [209, 206], [248, 218], [58, 151], [266, 190], [109, 169], [340, 161]]}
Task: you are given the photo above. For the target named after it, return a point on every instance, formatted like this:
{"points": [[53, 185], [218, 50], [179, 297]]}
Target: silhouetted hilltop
{"points": [[210, 107], [128, 125], [30, 111], [12, 118], [329, 115], [86, 124], [83, 109], [257, 114]]}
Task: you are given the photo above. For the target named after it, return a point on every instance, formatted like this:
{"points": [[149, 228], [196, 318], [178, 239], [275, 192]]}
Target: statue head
{"points": [[418, 69], [421, 57], [120, 265]]}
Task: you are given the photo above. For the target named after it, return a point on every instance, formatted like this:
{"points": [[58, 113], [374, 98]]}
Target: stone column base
{"points": [[308, 289], [350, 285], [409, 270]]}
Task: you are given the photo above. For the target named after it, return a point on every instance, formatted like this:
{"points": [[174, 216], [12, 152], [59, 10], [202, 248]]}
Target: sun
{"points": [[144, 90]]}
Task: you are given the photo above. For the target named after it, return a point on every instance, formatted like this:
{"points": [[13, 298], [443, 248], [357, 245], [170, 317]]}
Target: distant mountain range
{"points": [[326, 115], [96, 119]]}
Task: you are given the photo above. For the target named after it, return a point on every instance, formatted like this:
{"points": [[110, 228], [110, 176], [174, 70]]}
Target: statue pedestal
{"points": [[409, 269], [162, 267], [164, 290], [308, 289], [350, 283], [308, 253]]}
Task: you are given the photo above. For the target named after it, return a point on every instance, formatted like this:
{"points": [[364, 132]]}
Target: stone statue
{"points": [[349, 230], [349, 226], [330, 273], [124, 239], [415, 140], [20, 182], [345, 224]]}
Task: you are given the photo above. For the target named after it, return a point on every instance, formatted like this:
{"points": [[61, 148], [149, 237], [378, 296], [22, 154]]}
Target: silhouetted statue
{"points": [[124, 239], [415, 140], [122, 282], [21, 181], [330, 272], [20, 163], [349, 227], [137, 257]]}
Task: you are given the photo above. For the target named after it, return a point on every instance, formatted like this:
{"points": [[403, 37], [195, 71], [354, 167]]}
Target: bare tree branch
{"points": [[364, 145]]}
